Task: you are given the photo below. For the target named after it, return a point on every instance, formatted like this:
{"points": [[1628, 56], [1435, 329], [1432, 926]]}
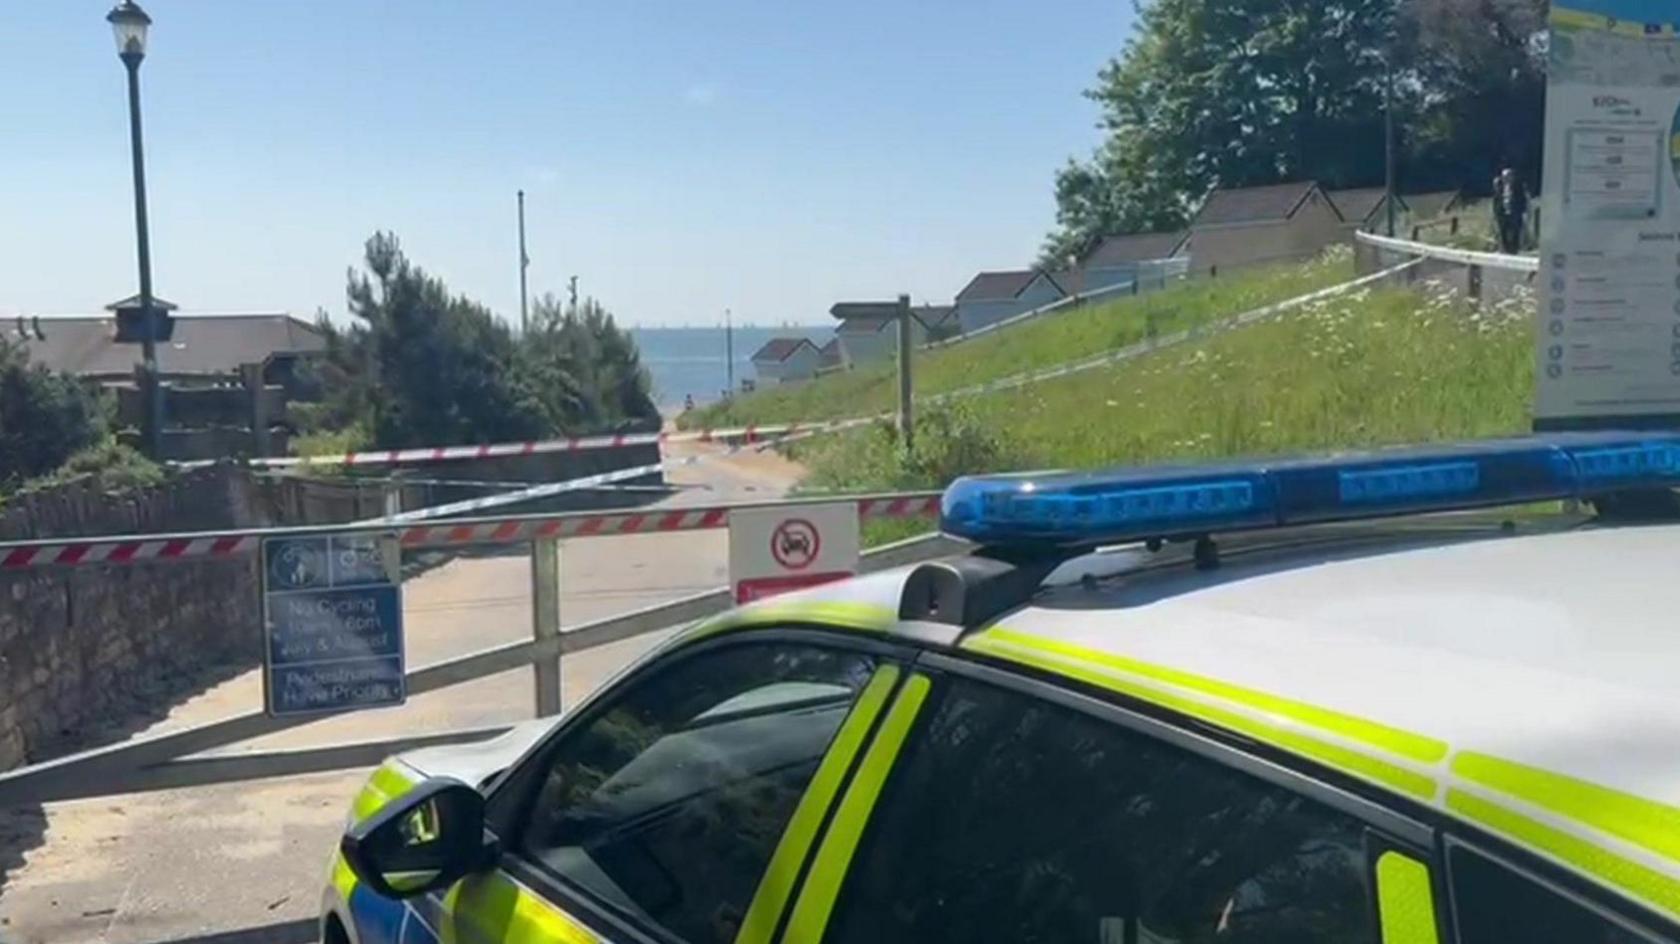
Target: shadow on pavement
{"points": [[301, 931], [23, 828]]}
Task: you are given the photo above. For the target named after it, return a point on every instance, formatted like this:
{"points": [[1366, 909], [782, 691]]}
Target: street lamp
{"points": [[129, 23]]}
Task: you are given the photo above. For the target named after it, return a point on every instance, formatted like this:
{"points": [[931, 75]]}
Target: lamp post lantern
{"points": [[130, 24]]}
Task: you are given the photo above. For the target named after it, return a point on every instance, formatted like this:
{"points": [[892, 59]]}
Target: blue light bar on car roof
{"points": [[1129, 504]]}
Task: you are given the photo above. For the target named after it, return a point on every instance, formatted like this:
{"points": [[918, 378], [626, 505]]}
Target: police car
{"points": [[1317, 700]]}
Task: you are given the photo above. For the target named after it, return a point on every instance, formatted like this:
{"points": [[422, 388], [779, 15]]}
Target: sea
{"points": [[691, 361]]}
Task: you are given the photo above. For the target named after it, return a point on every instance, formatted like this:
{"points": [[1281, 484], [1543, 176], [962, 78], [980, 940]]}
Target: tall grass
{"points": [[1044, 342], [1369, 368]]}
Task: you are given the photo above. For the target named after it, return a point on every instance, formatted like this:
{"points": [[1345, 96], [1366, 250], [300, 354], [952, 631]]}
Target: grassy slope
{"points": [[1369, 368], [1051, 340], [1373, 367]]}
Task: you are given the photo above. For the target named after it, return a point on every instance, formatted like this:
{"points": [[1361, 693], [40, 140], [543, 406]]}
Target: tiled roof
{"points": [[1253, 204], [1357, 206], [86, 345], [1001, 286], [829, 354], [1134, 247], [780, 349], [870, 317]]}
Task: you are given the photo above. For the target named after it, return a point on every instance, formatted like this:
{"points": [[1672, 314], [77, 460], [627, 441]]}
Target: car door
{"points": [[679, 806], [1494, 900], [1018, 811]]}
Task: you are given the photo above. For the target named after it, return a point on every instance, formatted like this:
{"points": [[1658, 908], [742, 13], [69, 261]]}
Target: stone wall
{"points": [[86, 650], [90, 653], [83, 647], [203, 499]]}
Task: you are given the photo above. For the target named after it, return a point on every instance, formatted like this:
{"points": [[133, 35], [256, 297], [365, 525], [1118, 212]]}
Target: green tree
{"points": [[585, 359], [421, 366], [45, 417], [1214, 92], [1481, 65], [1240, 93]]}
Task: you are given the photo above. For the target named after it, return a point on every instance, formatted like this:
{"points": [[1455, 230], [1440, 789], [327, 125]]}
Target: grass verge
{"points": [[1045, 342], [1369, 368]]}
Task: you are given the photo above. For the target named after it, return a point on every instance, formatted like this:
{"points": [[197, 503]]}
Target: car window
{"points": [[666, 806], [1493, 903], [1010, 819]]}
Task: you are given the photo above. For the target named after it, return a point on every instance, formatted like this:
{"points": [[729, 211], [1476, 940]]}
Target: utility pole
{"points": [[524, 263], [1388, 136], [905, 421], [729, 349]]}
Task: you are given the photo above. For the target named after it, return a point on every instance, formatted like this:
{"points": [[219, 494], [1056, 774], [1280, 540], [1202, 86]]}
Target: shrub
{"points": [[45, 417], [112, 466], [949, 441]]}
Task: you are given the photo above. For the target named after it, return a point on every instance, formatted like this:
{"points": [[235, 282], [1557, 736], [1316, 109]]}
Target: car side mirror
{"points": [[422, 841]]}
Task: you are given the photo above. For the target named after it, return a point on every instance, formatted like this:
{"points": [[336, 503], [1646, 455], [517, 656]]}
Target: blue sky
{"points": [[679, 157]]}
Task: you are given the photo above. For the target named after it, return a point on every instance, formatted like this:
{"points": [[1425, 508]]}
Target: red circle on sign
{"points": [[795, 543]]}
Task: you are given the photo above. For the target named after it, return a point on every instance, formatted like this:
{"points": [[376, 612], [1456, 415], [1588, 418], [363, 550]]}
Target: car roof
{"points": [[1552, 650], [1537, 671]]}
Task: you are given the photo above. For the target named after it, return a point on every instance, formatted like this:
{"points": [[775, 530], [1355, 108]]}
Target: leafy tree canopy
{"points": [[1247, 92], [45, 417], [420, 365]]}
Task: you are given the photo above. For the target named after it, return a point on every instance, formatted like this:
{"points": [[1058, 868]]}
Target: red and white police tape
{"points": [[508, 530], [598, 480], [515, 529], [746, 435]]}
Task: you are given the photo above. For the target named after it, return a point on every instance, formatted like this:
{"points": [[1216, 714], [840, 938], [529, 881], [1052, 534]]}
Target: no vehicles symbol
{"points": [[777, 550], [795, 543]]}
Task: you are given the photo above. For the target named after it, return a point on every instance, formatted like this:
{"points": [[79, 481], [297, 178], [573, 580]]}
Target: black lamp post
{"points": [[130, 23]]}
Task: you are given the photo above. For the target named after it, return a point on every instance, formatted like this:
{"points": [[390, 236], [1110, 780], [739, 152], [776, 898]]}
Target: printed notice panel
{"points": [[1608, 334], [790, 547], [332, 617]]}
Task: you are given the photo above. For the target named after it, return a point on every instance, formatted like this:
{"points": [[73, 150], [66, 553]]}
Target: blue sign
{"points": [[332, 607]]}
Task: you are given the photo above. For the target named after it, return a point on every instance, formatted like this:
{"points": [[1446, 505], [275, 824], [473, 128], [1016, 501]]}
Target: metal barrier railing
{"points": [[499, 529], [1488, 260], [163, 761]]}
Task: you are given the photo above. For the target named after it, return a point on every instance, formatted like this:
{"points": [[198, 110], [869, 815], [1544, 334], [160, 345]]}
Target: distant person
{"points": [[1510, 210], [688, 403]]}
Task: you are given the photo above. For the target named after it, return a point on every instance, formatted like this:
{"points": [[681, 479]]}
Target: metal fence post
{"points": [[545, 620], [906, 421]]}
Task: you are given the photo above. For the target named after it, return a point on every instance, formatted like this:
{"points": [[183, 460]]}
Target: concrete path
{"points": [[214, 865]]}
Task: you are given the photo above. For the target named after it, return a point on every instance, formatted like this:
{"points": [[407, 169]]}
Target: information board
{"points": [[776, 550], [1608, 335], [332, 620]]}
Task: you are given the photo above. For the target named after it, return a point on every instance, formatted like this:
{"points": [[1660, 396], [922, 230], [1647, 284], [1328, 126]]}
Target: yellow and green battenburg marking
{"points": [[834, 856], [836, 614], [777, 883], [1638, 821], [498, 906], [1405, 900], [1158, 685], [493, 907], [387, 783]]}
